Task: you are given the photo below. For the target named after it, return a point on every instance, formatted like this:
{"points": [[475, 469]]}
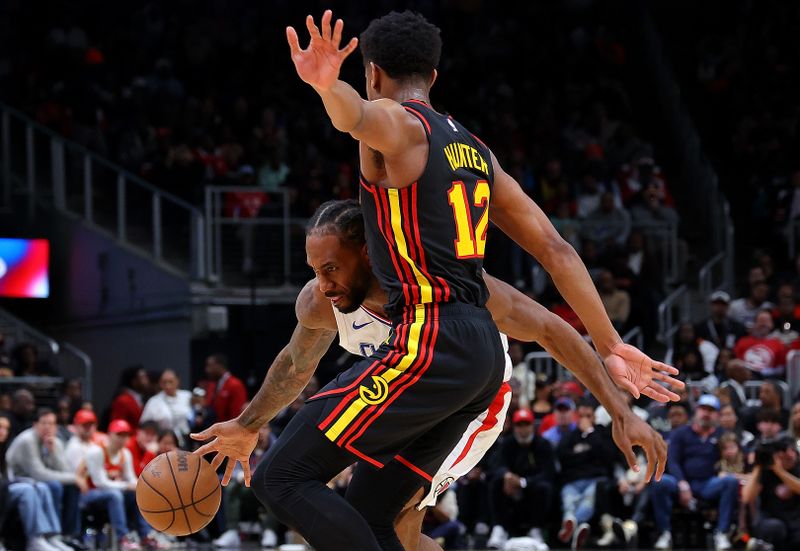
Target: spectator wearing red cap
{"points": [[86, 435], [225, 393], [112, 483], [521, 474]]}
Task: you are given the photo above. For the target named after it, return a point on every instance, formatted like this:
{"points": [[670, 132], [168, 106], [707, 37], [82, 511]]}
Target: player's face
{"points": [[342, 271]]}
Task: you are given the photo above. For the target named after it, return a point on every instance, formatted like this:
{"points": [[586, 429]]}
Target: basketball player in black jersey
{"points": [[335, 240], [426, 189]]}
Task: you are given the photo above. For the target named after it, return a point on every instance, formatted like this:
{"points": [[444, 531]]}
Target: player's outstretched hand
{"points": [[319, 64], [629, 431], [231, 440], [634, 371]]}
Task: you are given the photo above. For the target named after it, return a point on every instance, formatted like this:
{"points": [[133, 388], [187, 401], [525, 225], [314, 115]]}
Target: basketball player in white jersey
{"points": [[345, 298]]}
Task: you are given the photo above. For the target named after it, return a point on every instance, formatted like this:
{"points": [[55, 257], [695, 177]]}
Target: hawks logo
{"points": [[374, 395]]}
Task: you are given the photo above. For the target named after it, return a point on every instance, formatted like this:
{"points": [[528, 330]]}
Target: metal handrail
{"points": [[635, 337], [124, 178], [25, 332], [84, 359], [668, 233], [667, 325], [705, 276]]}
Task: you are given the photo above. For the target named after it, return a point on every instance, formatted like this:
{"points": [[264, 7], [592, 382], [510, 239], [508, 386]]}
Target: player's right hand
{"points": [[231, 440], [319, 64]]}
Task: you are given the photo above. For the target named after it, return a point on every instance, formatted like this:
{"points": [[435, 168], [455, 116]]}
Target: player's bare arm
{"points": [[524, 222], [287, 377], [522, 318], [382, 125]]}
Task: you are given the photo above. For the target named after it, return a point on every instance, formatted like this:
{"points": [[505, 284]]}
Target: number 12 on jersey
{"points": [[470, 243]]}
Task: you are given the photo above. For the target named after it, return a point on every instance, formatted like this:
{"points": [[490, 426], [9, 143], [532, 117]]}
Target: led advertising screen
{"points": [[24, 268]]}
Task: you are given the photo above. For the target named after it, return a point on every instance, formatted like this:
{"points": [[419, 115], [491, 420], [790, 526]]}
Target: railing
{"points": [[793, 372], [46, 168], [543, 363], [663, 238], [706, 275], [251, 235], [667, 320], [66, 358]]}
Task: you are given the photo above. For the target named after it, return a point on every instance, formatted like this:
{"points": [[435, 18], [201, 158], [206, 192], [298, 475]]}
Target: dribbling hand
{"points": [[231, 440], [634, 371], [319, 64]]}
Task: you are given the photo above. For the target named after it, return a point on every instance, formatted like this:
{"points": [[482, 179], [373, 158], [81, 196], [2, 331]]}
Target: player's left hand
{"points": [[629, 431], [634, 371]]}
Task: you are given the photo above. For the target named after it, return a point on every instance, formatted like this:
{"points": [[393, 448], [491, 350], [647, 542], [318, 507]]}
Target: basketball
{"points": [[178, 493]]}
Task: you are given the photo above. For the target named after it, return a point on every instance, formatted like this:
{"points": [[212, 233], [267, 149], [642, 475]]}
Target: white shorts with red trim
{"points": [[481, 434]]}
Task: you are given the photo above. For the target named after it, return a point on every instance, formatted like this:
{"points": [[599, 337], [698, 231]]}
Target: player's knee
{"points": [[270, 486]]}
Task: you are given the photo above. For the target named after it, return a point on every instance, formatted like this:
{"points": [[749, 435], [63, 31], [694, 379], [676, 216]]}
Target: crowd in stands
{"points": [[186, 97]]}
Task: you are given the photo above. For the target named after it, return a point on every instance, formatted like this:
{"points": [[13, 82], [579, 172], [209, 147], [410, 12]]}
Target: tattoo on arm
{"points": [[288, 375]]}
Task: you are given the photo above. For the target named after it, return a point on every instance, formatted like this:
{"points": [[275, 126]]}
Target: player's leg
{"points": [[291, 481], [408, 526]]}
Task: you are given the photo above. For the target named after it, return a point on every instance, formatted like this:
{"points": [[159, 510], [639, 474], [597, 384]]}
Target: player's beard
{"points": [[358, 292]]}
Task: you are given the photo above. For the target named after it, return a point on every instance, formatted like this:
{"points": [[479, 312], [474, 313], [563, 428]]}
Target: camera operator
{"points": [[776, 481]]}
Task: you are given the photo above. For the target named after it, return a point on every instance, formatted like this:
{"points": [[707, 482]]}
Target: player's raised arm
{"points": [[287, 377], [382, 124], [522, 220]]}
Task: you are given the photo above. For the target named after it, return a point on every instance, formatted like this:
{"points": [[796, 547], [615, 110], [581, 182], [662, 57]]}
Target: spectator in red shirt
{"points": [[129, 402], [762, 355], [225, 393], [144, 446]]}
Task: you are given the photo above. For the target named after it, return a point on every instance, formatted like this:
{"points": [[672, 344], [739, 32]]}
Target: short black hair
{"points": [[404, 44], [769, 416], [221, 359], [41, 412], [149, 426], [342, 218]]}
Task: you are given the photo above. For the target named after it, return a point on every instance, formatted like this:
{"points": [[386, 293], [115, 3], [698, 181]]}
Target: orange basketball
{"points": [[178, 493]]}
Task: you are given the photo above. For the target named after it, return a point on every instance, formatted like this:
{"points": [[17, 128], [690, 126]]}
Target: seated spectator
{"points": [[171, 408], [26, 362], [729, 422], [127, 404], [86, 436], [764, 356], [112, 483], [787, 325], [616, 302], [522, 372], [794, 424], [769, 397], [41, 523], [692, 465], [238, 499], [522, 469], [687, 339], [63, 418], [38, 454], [586, 456], [23, 410], [566, 224], [775, 488], [542, 400], [609, 225], [651, 209], [658, 412], [720, 329], [768, 424], [731, 455], [564, 417], [167, 442], [143, 447], [678, 416], [744, 310], [632, 487]]}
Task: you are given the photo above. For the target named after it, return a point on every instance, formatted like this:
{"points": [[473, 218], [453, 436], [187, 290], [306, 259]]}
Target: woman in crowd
{"points": [[171, 408]]}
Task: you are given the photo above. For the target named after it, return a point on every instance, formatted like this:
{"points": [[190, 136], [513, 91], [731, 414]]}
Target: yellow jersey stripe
{"points": [[426, 291], [352, 411]]}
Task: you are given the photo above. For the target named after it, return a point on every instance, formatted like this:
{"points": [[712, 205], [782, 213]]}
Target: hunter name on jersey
{"points": [[461, 155]]}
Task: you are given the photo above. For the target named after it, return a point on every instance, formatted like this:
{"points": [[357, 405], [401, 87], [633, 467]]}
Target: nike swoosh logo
{"points": [[356, 327]]}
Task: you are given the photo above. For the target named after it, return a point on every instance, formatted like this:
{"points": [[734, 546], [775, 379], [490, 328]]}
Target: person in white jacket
{"points": [[171, 408], [112, 483]]}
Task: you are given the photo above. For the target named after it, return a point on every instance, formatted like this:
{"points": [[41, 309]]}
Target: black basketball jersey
{"points": [[426, 242]]}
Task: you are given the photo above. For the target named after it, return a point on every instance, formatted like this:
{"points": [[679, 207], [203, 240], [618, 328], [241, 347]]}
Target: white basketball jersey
{"points": [[361, 332]]}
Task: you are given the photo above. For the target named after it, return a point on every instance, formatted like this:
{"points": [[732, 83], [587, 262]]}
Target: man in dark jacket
{"points": [[586, 455], [522, 469]]}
